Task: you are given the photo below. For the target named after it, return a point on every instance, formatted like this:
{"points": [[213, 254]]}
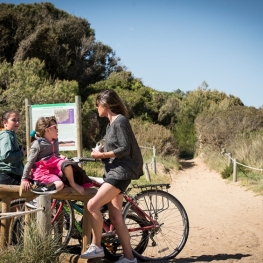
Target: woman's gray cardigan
{"points": [[119, 138]]}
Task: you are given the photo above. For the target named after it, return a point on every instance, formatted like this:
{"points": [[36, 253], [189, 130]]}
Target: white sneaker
{"points": [[93, 252], [32, 204], [126, 260]]}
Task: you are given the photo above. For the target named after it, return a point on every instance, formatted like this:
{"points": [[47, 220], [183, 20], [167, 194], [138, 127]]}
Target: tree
{"points": [[194, 103], [218, 129], [29, 79], [64, 42]]}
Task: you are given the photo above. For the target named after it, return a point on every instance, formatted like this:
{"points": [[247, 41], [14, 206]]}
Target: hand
{"points": [[26, 185], [96, 154]]}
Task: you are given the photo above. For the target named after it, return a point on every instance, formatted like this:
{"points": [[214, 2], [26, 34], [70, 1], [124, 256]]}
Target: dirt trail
{"points": [[226, 220]]}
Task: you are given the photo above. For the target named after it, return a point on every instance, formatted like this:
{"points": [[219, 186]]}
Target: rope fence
{"points": [[235, 163], [20, 213]]}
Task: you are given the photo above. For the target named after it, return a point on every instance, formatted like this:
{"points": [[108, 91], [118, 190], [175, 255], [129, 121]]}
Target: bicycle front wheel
{"points": [[170, 234]]}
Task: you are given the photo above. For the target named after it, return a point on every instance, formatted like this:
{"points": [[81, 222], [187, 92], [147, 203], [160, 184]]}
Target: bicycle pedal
{"points": [[108, 234], [75, 234]]}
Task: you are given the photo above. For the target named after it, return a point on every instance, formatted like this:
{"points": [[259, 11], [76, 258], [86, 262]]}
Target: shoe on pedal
{"points": [[126, 260], [42, 189], [32, 204], [93, 252]]}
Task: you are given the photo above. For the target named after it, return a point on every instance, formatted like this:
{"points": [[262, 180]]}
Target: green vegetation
{"points": [[240, 131], [50, 56], [228, 171], [38, 248]]}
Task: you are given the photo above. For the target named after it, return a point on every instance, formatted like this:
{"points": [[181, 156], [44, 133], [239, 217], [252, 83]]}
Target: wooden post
{"points": [[229, 159], [79, 126], [86, 228], [27, 112], [154, 160], [4, 229], [44, 217], [234, 170], [147, 174]]}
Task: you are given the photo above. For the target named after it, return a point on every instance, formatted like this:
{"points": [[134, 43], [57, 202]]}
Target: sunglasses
{"points": [[55, 126]]}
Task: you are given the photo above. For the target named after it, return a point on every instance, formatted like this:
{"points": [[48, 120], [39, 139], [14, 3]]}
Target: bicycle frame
{"points": [[107, 226], [142, 214]]}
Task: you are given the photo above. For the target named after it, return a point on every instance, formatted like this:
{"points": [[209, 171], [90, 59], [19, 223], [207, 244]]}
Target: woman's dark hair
{"points": [[6, 115], [109, 98]]}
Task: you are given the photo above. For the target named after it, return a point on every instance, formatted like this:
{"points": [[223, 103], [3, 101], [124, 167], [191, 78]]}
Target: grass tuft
{"points": [[37, 249]]}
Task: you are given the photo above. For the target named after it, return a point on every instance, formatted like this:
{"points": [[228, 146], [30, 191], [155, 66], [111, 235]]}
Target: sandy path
{"points": [[226, 220]]}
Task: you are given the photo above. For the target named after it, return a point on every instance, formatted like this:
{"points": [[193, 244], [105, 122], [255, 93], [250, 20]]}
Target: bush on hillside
{"points": [[149, 135], [218, 129], [227, 172], [192, 104]]}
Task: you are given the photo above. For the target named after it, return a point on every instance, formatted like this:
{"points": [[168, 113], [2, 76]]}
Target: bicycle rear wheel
{"points": [[168, 238], [16, 230], [62, 222]]}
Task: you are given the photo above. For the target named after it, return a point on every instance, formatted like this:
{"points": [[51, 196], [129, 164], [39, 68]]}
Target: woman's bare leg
{"points": [[115, 211], [105, 194]]}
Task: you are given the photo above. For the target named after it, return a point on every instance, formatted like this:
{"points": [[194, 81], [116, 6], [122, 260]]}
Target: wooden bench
{"points": [[11, 192]]}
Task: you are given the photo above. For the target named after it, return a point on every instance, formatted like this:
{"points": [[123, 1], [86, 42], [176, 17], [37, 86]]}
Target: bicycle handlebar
{"points": [[83, 159]]}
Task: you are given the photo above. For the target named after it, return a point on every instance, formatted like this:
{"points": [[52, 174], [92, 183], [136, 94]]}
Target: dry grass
{"points": [[247, 150], [38, 248]]}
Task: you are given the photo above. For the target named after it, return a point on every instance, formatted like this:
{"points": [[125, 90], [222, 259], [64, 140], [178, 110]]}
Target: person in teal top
{"points": [[11, 153]]}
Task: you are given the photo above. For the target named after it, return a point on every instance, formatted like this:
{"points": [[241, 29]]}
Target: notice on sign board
{"points": [[65, 114]]}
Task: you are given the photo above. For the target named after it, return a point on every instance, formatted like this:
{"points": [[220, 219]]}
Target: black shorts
{"points": [[10, 179], [120, 184]]}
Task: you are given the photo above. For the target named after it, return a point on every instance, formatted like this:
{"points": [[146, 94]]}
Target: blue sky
{"points": [[178, 44]]}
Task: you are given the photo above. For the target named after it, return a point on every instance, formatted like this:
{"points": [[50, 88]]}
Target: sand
{"points": [[226, 219]]}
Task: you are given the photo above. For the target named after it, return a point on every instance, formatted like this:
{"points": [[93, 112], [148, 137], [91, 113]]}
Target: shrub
{"points": [[38, 248], [227, 172]]}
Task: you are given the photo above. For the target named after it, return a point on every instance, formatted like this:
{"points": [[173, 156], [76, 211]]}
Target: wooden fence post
{"points": [[147, 174], [44, 217], [229, 159], [234, 170], [27, 113], [79, 126], [154, 160]]}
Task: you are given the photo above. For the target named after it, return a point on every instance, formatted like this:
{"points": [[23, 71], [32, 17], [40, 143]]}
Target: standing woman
{"points": [[11, 153], [123, 162]]}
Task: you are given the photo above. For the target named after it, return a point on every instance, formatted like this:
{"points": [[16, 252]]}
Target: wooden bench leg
{"points": [[86, 228], [5, 223]]}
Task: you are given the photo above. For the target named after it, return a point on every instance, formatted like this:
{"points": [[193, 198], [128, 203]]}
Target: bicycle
{"points": [[157, 222]]}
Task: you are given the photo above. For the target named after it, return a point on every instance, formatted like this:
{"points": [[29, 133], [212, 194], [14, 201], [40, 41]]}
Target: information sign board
{"points": [[65, 114]]}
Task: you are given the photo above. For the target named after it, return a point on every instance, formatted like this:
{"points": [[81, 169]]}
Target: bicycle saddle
{"points": [[97, 179]]}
